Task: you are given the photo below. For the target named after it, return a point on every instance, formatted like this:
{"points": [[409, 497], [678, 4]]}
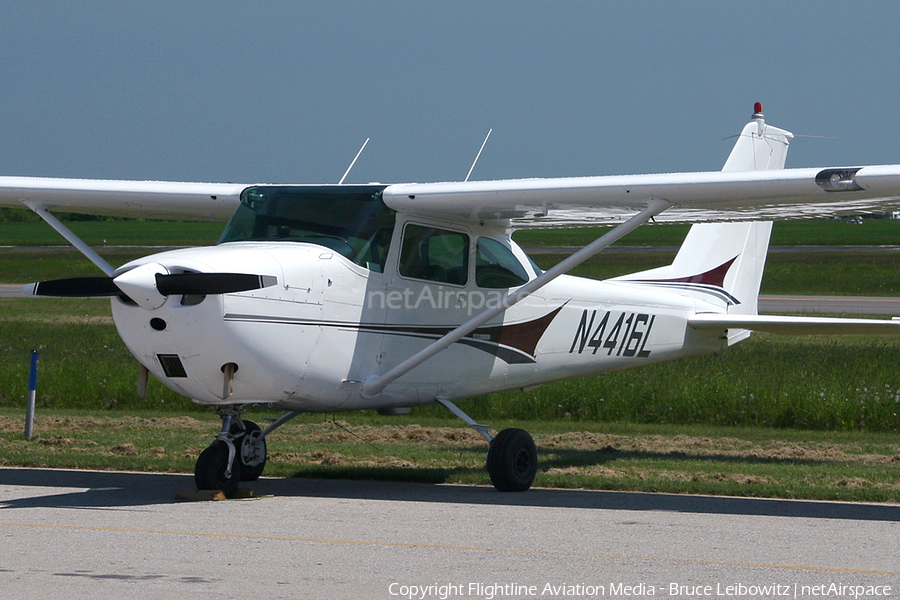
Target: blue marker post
{"points": [[32, 392]]}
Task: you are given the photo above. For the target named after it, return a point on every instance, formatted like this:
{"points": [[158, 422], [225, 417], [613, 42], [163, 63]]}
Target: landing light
{"points": [[838, 180]]}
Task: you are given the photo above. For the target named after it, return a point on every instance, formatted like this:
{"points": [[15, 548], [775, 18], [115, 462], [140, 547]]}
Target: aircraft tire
{"points": [[252, 459], [512, 460], [209, 472]]}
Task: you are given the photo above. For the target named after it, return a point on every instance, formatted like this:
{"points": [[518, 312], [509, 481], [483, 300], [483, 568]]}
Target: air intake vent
{"points": [[171, 365]]}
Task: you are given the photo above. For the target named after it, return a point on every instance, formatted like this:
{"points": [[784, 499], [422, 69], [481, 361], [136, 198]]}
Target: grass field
{"points": [[832, 384], [113, 233], [791, 417], [830, 232], [804, 273]]}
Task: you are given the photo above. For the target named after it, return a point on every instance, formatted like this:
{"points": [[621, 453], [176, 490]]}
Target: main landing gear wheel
{"points": [[512, 455], [212, 470], [250, 448], [512, 460]]}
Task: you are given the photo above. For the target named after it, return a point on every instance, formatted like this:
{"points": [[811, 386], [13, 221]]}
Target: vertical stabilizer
{"points": [[728, 259], [717, 260]]}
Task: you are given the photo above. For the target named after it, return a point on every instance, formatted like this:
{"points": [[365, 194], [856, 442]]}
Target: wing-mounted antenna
{"points": [[353, 162], [477, 156]]}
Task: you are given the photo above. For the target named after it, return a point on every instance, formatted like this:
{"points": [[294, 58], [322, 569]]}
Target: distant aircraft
{"points": [[323, 298]]}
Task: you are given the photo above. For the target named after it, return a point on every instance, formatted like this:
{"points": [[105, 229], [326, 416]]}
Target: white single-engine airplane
{"points": [[323, 298]]}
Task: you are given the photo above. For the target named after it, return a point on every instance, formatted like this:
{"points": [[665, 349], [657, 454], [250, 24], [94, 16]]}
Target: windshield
{"points": [[351, 220]]}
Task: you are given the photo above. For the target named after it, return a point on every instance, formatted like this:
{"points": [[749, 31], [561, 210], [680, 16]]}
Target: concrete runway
{"points": [[91, 535], [854, 305]]}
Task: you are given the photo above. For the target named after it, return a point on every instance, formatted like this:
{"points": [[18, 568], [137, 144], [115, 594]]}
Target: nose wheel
{"points": [[218, 469], [237, 454]]}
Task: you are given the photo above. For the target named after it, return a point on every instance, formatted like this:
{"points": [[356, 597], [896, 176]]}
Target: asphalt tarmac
{"points": [[78, 534], [853, 305]]}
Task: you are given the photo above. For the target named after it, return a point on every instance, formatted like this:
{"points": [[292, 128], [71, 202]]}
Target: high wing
{"points": [[707, 196], [767, 193], [554, 202], [151, 199]]}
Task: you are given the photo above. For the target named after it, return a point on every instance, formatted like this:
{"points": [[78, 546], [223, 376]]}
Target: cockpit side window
{"points": [[434, 255], [496, 266]]}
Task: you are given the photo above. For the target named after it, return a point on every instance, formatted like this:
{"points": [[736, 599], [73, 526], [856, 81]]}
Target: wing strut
{"points": [[375, 384], [70, 237]]}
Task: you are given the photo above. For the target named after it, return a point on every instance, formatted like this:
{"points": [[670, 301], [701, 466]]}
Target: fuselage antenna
{"points": [[353, 162], [477, 156]]}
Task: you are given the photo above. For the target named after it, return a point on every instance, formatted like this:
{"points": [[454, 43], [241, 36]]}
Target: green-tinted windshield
{"points": [[351, 220]]}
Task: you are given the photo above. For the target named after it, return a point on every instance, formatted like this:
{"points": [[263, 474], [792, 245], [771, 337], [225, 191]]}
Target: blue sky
{"points": [[288, 91]]}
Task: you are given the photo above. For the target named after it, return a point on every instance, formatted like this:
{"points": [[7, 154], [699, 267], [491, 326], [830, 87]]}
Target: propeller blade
{"points": [[166, 285], [75, 287], [211, 283]]}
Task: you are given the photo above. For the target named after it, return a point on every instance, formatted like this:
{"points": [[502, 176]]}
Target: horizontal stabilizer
{"points": [[795, 325]]}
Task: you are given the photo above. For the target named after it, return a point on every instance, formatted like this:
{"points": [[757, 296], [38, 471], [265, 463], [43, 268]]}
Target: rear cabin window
{"points": [[496, 266], [350, 220], [434, 255]]}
